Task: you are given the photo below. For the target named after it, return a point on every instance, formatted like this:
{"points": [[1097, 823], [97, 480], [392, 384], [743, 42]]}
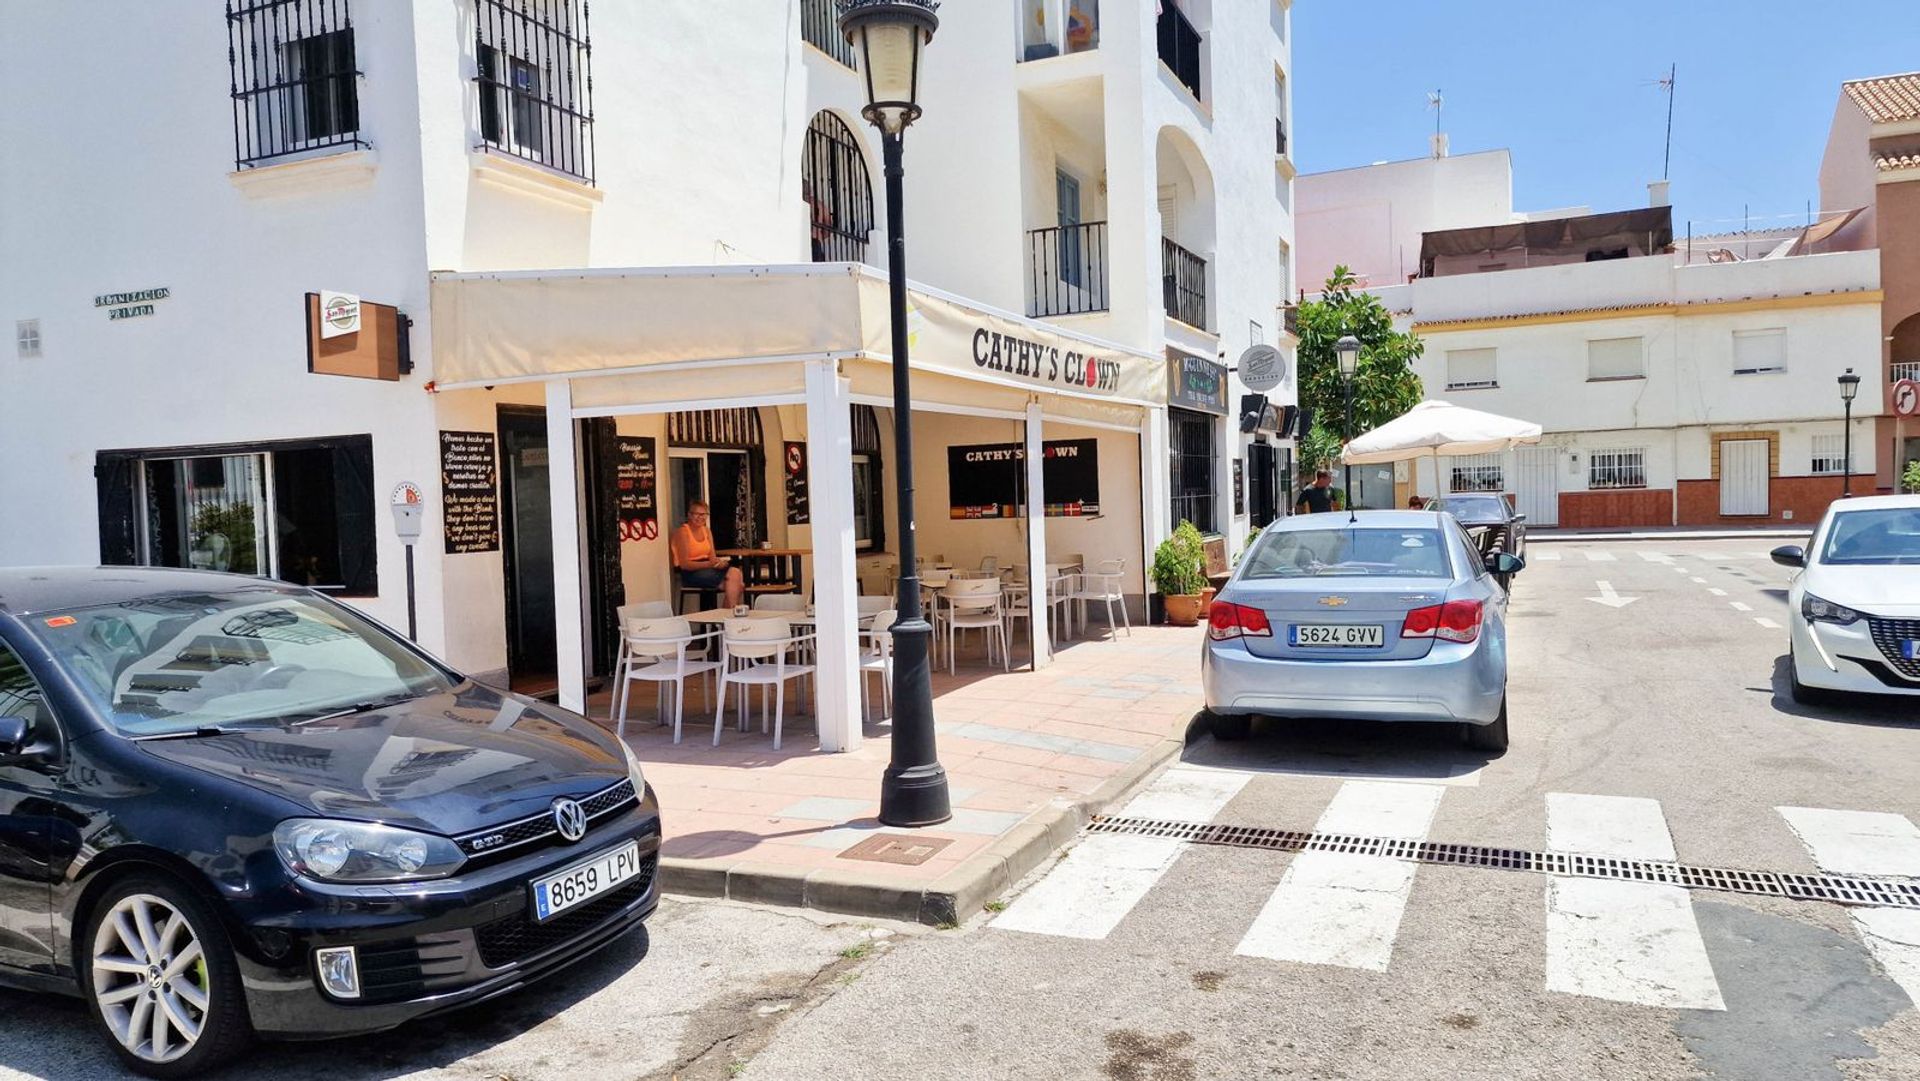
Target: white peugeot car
{"points": [[1854, 607]]}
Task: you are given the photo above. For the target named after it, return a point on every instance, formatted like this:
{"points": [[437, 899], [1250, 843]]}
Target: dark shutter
{"points": [[113, 473], [353, 490]]}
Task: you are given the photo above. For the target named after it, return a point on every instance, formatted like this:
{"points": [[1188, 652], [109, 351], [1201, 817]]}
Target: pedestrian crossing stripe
{"points": [[1635, 942]]}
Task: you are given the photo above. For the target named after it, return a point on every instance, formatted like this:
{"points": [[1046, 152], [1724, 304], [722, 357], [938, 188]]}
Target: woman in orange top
{"points": [[693, 556]]}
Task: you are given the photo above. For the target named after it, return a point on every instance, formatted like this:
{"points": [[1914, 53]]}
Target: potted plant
{"points": [[1178, 574]]}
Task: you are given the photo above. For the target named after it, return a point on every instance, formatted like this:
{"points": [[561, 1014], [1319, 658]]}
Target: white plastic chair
{"points": [[780, 602], [933, 583], [755, 653], [1060, 590], [990, 565], [1017, 604], [974, 604], [1102, 586], [876, 657], [866, 607], [637, 610], [662, 652]]}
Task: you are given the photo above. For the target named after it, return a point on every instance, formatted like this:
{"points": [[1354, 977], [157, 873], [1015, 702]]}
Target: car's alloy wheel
{"points": [[162, 981], [150, 978]]}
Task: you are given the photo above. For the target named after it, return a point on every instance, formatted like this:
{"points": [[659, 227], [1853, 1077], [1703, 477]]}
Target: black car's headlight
{"points": [[634, 772], [336, 850], [1818, 610]]}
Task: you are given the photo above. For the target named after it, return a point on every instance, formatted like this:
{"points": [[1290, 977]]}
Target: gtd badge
{"points": [[570, 819]]}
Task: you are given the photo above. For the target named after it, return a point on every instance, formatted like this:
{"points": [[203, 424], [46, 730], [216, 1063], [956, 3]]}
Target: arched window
{"points": [[833, 180]]}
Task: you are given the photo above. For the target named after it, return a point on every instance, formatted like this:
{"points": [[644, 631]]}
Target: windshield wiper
{"points": [[357, 708], [187, 733]]}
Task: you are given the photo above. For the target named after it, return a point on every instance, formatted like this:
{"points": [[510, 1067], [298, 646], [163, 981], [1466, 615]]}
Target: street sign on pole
{"points": [[409, 506], [1906, 398]]}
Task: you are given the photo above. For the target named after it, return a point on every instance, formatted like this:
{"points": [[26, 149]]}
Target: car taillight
{"points": [[1455, 621], [1226, 620]]}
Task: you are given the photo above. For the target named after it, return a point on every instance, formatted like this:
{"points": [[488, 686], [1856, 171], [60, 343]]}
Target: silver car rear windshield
{"points": [[176, 662], [1354, 552], [1889, 537]]}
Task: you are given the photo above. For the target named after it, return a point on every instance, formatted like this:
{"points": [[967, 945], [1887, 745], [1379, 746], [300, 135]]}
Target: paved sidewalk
{"points": [[1029, 755], [1548, 536]]}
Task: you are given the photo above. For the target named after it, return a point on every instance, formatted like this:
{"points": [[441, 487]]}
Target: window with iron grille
{"points": [[533, 70], [839, 194], [294, 78], [820, 28], [1617, 469], [1192, 464], [1829, 453], [1477, 473]]}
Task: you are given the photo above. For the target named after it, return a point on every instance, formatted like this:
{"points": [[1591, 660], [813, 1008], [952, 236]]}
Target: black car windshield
{"points": [[180, 662], [1472, 508], [1887, 537], [1357, 552]]}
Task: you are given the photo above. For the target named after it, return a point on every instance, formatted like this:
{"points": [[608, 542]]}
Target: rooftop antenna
{"points": [[1435, 102], [1667, 84]]}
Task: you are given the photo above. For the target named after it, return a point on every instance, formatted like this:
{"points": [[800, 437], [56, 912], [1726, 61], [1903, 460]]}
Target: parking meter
{"points": [[409, 510]]}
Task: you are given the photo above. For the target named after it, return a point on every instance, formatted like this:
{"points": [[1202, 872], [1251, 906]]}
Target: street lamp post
{"points": [[887, 36], [1348, 350], [1849, 386]]}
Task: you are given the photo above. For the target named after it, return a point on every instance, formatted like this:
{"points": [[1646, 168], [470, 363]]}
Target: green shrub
{"points": [[1910, 480], [1179, 562]]}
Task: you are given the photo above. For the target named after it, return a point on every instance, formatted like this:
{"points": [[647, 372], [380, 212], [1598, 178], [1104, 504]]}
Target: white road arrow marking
{"points": [[1609, 598]]}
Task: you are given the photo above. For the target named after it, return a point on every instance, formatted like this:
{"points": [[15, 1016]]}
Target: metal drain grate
{"points": [[1837, 889]]}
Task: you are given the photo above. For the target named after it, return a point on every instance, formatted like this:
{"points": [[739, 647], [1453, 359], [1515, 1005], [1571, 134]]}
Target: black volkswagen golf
{"points": [[231, 807]]}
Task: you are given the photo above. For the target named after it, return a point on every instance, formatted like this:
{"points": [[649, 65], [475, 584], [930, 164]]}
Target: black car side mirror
{"points": [[13, 738], [1505, 563], [1790, 555], [1517, 519]]}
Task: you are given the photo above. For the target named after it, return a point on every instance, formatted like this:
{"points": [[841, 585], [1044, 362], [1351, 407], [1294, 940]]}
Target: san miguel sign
{"points": [[1043, 363]]}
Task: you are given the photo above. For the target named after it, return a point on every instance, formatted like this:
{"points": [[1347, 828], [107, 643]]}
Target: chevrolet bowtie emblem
{"points": [[1333, 602]]}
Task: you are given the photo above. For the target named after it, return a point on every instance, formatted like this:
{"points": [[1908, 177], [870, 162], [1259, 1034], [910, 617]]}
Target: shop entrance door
{"points": [[1743, 477], [1263, 487], [527, 543]]}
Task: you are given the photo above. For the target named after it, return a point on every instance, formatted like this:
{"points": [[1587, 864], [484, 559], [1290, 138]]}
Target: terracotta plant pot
{"points": [[1206, 600], [1183, 609]]}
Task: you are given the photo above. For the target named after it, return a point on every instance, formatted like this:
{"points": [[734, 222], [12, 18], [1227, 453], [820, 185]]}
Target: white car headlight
{"points": [[337, 850], [634, 773], [1819, 610]]}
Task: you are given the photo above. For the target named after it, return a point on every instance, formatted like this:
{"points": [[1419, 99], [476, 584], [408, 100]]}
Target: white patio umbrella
{"points": [[1436, 428]]}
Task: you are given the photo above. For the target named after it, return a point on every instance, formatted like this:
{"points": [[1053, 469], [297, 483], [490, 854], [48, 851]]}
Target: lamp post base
{"points": [[915, 796]]}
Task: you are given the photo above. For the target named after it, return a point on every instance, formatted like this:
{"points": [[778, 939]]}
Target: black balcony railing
{"points": [[534, 76], [1290, 319], [1180, 46], [1067, 265], [1280, 137], [1183, 282], [820, 28]]}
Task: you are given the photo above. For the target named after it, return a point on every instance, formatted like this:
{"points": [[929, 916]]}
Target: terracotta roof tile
{"points": [[1885, 161], [1887, 99]]}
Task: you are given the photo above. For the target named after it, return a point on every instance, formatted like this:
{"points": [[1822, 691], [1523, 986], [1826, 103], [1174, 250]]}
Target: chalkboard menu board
{"points": [[469, 481], [989, 480], [799, 510], [636, 487]]}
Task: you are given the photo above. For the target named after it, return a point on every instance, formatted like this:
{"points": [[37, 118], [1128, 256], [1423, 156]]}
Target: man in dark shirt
{"points": [[1318, 497]]}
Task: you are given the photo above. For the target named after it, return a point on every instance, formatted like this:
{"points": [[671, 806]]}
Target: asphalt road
{"points": [[1661, 723], [1655, 727]]}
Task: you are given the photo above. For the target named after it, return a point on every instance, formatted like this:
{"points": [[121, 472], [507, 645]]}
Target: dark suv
{"points": [[232, 807]]}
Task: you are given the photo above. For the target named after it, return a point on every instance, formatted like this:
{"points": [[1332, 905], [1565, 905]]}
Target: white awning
{"points": [[519, 326]]}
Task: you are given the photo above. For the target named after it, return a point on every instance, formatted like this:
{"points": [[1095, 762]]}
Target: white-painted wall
{"points": [[698, 127], [1370, 218]]}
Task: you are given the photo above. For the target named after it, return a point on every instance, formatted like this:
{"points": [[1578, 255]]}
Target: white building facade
{"points": [[1673, 390], [173, 399]]}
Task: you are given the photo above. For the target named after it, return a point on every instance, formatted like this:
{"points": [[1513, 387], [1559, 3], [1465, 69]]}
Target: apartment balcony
{"points": [[1180, 46], [820, 28], [1050, 28], [1183, 284], [1904, 369], [1290, 320], [1067, 269]]}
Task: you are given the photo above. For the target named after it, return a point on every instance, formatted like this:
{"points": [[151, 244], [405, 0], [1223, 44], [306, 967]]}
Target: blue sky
{"points": [[1571, 89]]}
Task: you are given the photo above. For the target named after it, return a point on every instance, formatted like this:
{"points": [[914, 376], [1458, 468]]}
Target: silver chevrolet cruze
{"points": [[1378, 615]]}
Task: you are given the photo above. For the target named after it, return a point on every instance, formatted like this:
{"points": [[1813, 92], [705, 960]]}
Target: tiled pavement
{"points": [[1025, 753]]}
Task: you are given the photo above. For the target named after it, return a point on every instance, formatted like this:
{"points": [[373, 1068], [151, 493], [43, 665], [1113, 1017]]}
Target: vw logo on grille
{"points": [[570, 819]]}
